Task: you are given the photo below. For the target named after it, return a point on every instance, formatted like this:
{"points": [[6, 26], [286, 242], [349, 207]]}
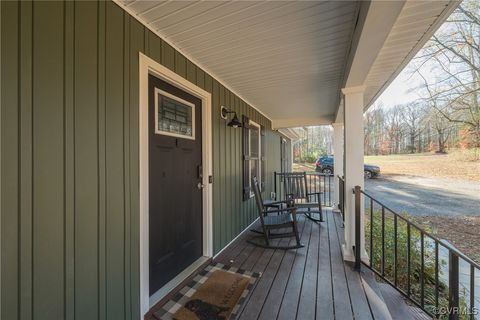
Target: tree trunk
{"points": [[441, 142]]}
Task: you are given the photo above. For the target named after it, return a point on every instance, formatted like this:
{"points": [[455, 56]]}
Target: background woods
{"points": [[444, 79]]}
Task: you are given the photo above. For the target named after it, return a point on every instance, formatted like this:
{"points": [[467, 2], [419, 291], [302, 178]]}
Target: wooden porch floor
{"points": [[312, 282]]}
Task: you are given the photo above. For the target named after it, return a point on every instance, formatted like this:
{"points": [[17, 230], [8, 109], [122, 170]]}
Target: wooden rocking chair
{"points": [[285, 218], [296, 189]]}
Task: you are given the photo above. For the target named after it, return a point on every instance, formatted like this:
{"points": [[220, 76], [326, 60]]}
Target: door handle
{"points": [[200, 186]]}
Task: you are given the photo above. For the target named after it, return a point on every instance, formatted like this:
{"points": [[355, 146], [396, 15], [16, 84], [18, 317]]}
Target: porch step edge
{"points": [[378, 306], [398, 306]]}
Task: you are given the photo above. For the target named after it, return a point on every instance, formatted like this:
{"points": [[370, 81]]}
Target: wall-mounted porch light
{"points": [[234, 123]]}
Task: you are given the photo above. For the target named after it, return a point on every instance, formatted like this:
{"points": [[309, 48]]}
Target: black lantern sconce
{"points": [[234, 123]]}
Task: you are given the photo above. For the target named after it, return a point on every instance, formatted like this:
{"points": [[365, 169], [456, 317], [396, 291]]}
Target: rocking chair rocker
{"points": [[286, 218]]}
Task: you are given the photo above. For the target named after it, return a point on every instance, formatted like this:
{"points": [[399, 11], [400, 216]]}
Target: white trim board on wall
{"points": [[149, 66]]}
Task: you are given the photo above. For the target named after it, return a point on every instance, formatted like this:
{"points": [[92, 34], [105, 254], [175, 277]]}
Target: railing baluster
{"points": [[395, 248], [472, 292], [371, 232], [383, 241], [422, 270], [357, 229], [324, 193], [310, 187], [275, 184], [453, 285], [329, 191], [436, 277], [327, 187], [408, 259]]}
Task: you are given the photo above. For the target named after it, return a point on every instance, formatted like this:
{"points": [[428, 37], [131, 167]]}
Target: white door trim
{"points": [[149, 66]]}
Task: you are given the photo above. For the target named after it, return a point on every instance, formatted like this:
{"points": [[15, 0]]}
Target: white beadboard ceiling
{"points": [[286, 58]]}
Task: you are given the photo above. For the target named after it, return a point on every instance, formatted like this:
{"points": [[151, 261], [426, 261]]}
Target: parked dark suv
{"points": [[325, 165]]}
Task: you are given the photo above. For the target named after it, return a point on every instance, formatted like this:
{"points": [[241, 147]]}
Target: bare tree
{"points": [[393, 127], [412, 115], [449, 66], [441, 126]]}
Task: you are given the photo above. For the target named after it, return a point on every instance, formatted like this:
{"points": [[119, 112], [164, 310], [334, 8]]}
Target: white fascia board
{"points": [[290, 133], [300, 122]]}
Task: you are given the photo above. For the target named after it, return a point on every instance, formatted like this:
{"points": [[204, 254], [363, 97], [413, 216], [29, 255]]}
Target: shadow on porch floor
{"points": [[312, 282]]}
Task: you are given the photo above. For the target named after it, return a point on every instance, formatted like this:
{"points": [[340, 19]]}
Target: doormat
{"points": [[217, 292]]}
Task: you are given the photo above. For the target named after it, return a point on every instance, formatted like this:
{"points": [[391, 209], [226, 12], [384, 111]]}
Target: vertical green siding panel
{"points": [[180, 64], [69, 145], [129, 298], [191, 72], [216, 165], [48, 153], [200, 78], [208, 83], [101, 162], [227, 186], [9, 153], [168, 56], [232, 172], [154, 43], [146, 46], [26, 160], [238, 156], [244, 203], [235, 172], [136, 45], [115, 196], [86, 162], [223, 200]]}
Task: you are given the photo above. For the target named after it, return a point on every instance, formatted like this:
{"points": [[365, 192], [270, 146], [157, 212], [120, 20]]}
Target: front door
{"points": [[175, 176]]}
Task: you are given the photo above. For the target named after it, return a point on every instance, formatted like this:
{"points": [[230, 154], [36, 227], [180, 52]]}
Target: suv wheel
{"points": [[367, 174], [327, 171]]}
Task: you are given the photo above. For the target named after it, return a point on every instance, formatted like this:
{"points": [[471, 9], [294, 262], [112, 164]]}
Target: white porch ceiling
{"points": [[289, 59], [286, 58]]}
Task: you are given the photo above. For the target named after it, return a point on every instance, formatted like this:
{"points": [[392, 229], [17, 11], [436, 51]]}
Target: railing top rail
{"points": [[313, 173], [426, 233]]}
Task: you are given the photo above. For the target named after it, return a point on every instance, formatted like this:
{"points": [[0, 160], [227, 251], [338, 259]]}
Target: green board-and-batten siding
{"points": [[69, 158]]}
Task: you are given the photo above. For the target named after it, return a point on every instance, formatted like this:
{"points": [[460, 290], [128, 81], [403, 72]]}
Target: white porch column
{"points": [[338, 158], [353, 167]]}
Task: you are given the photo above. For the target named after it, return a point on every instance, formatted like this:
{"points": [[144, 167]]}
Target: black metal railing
{"points": [[316, 182], [429, 271], [341, 196]]}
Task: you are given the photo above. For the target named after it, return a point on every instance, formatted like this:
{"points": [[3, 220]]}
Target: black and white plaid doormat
{"points": [[167, 311]]}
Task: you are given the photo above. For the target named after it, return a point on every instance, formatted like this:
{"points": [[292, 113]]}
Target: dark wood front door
{"points": [[175, 176]]}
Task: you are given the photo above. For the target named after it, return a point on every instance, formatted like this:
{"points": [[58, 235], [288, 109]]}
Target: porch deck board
{"points": [[312, 282]]}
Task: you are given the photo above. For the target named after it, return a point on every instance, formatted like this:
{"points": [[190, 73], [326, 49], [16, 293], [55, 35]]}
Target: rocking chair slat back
{"points": [[295, 185]]}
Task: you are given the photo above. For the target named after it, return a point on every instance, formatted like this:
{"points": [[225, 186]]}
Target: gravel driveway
{"points": [[426, 196]]}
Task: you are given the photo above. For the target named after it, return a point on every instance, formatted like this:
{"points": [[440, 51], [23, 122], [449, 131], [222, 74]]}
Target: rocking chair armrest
{"points": [[293, 209], [280, 202]]}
